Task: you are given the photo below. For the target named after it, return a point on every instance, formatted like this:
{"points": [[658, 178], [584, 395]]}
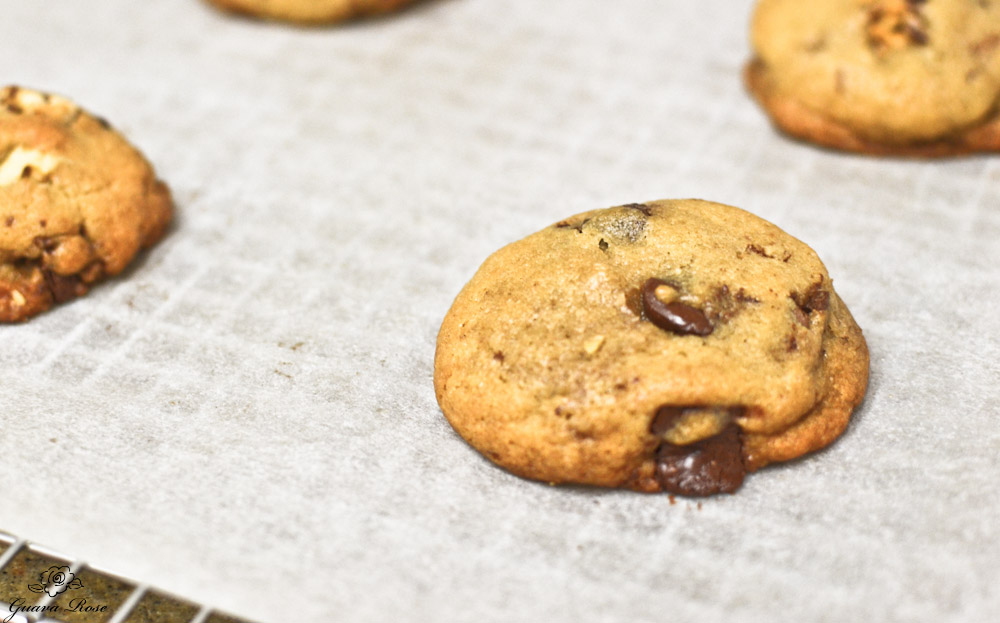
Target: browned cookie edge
{"points": [[796, 120], [348, 11], [31, 287]]}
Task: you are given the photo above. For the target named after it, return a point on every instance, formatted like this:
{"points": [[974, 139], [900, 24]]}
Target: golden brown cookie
{"points": [[311, 11], [77, 202], [892, 77], [667, 346]]}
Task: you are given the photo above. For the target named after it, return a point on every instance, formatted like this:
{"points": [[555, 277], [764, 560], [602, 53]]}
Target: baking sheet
{"points": [[247, 418]]}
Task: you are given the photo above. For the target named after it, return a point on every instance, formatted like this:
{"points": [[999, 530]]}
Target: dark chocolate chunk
{"points": [[815, 299], [64, 288], [665, 419], [675, 317], [917, 34], [714, 465], [818, 300]]}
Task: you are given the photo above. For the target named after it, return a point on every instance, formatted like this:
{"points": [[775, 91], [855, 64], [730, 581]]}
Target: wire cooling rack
{"points": [[92, 595]]}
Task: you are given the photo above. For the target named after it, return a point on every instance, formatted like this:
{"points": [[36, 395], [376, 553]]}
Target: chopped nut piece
{"points": [[666, 294], [895, 24], [593, 344], [21, 159]]}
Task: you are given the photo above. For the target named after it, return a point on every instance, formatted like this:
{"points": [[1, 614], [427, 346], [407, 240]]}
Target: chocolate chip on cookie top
{"points": [[668, 346], [77, 202], [907, 77]]}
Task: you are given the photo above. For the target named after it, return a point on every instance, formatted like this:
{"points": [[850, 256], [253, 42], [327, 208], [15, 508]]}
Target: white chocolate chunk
{"points": [[15, 163]]}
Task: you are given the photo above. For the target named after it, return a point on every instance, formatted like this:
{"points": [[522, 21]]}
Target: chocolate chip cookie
{"points": [[310, 11], [894, 77], [77, 202], [667, 346]]}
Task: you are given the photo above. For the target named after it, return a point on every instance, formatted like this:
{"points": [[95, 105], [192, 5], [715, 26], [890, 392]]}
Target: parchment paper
{"points": [[246, 418]]}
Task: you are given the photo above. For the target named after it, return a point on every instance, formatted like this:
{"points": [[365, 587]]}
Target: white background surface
{"points": [[247, 418]]}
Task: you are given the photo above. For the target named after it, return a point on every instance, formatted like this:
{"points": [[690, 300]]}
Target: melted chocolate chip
{"points": [[675, 317], [633, 300], [46, 244], [815, 299], [743, 297], [669, 416], [665, 419], [723, 305], [818, 300], [801, 317], [714, 465], [917, 35], [759, 250], [64, 288]]}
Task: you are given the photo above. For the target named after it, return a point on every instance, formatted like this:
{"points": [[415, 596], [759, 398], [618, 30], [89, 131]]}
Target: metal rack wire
{"points": [[129, 606]]}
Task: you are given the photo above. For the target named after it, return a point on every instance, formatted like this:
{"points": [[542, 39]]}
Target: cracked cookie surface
{"points": [[77, 202], [562, 361], [892, 77], [311, 11]]}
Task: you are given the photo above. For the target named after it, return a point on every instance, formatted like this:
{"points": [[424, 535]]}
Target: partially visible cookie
{"points": [[892, 77], [311, 11], [77, 202], [667, 346]]}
